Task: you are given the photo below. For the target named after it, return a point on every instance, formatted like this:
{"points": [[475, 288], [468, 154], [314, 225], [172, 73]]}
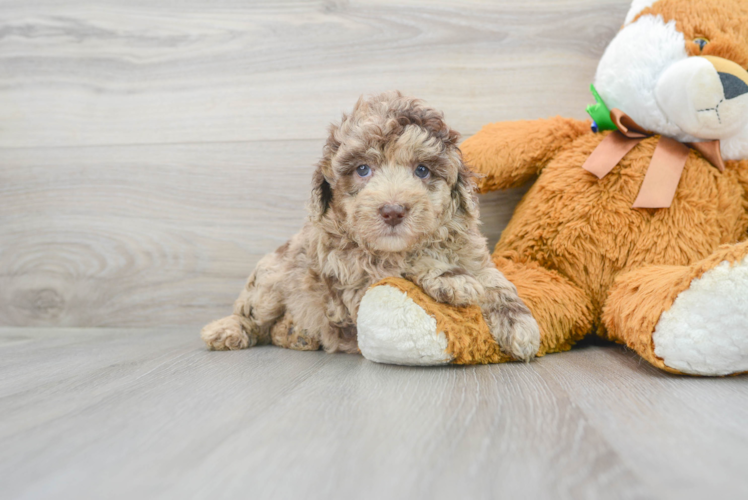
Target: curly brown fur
{"points": [[307, 293]]}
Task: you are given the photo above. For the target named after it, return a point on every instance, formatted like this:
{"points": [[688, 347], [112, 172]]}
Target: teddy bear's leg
{"points": [[563, 311], [397, 325], [685, 319]]}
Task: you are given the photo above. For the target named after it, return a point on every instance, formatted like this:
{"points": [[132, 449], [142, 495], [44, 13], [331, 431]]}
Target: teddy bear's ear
{"points": [[637, 6]]}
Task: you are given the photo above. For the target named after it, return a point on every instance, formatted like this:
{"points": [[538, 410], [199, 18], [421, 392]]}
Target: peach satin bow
{"points": [[665, 169]]}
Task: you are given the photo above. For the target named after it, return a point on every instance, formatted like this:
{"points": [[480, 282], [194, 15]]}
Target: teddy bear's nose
{"points": [[393, 214], [733, 86]]}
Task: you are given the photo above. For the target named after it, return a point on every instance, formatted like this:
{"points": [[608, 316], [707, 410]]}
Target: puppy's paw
{"points": [[226, 334], [285, 334], [513, 327], [455, 289], [522, 340]]}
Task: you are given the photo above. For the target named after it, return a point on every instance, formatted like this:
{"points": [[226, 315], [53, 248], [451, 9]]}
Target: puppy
{"points": [[391, 197]]}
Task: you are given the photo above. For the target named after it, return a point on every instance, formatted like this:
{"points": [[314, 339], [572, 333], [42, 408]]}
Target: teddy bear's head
{"points": [[678, 68]]}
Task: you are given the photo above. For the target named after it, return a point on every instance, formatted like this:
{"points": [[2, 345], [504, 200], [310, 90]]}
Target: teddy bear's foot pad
{"points": [[393, 329], [705, 332]]}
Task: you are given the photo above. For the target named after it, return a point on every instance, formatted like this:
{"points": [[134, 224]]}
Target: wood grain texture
{"points": [[125, 72], [152, 152], [150, 413]]}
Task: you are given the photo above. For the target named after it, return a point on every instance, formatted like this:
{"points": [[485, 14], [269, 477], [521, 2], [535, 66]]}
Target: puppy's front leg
{"points": [[447, 283], [508, 318]]}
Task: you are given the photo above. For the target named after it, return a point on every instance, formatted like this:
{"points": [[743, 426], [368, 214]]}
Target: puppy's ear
{"points": [[321, 195], [464, 196], [321, 189], [464, 191]]}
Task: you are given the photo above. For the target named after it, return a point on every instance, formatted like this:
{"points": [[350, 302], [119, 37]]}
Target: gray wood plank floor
{"points": [[152, 151], [149, 413]]}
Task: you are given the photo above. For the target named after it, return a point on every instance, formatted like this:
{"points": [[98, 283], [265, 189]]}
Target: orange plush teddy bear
{"points": [[635, 228]]}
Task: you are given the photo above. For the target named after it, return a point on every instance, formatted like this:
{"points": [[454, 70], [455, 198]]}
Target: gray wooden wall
{"points": [[151, 151]]}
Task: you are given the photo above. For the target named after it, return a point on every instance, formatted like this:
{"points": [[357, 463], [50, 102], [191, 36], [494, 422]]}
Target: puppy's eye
{"points": [[701, 42], [363, 170], [422, 172]]}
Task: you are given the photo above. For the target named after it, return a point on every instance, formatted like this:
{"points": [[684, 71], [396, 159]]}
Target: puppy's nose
{"points": [[393, 214]]}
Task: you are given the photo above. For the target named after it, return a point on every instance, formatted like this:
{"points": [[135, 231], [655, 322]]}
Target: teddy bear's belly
{"points": [[585, 228]]}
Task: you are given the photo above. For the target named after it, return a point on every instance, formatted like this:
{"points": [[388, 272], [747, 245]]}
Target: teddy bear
{"points": [[636, 226]]}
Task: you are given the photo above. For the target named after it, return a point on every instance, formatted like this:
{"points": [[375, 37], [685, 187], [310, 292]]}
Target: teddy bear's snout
{"points": [[705, 96], [732, 85]]}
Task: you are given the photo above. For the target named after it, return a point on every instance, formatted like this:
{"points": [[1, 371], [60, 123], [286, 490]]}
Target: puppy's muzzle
{"points": [[393, 214]]}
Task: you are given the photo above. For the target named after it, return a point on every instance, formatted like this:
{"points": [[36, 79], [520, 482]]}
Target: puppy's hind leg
{"points": [[259, 306], [285, 334]]}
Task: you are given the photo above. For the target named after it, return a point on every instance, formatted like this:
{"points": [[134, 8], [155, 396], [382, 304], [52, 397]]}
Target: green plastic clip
{"points": [[600, 113]]}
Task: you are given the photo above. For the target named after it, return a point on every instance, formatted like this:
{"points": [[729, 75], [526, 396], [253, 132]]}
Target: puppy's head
{"points": [[392, 176]]}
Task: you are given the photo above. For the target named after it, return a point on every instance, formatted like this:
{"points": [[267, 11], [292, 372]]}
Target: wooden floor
{"points": [[149, 413], [151, 151]]}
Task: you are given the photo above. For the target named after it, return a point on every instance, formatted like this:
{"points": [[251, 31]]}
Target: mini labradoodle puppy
{"points": [[391, 197]]}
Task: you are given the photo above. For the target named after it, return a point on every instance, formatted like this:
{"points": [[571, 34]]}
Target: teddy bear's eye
{"points": [[701, 42], [363, 170], [422, 172]]}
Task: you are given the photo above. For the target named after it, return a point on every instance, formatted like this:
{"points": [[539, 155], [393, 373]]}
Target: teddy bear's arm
{"points": [[508, 154]]}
